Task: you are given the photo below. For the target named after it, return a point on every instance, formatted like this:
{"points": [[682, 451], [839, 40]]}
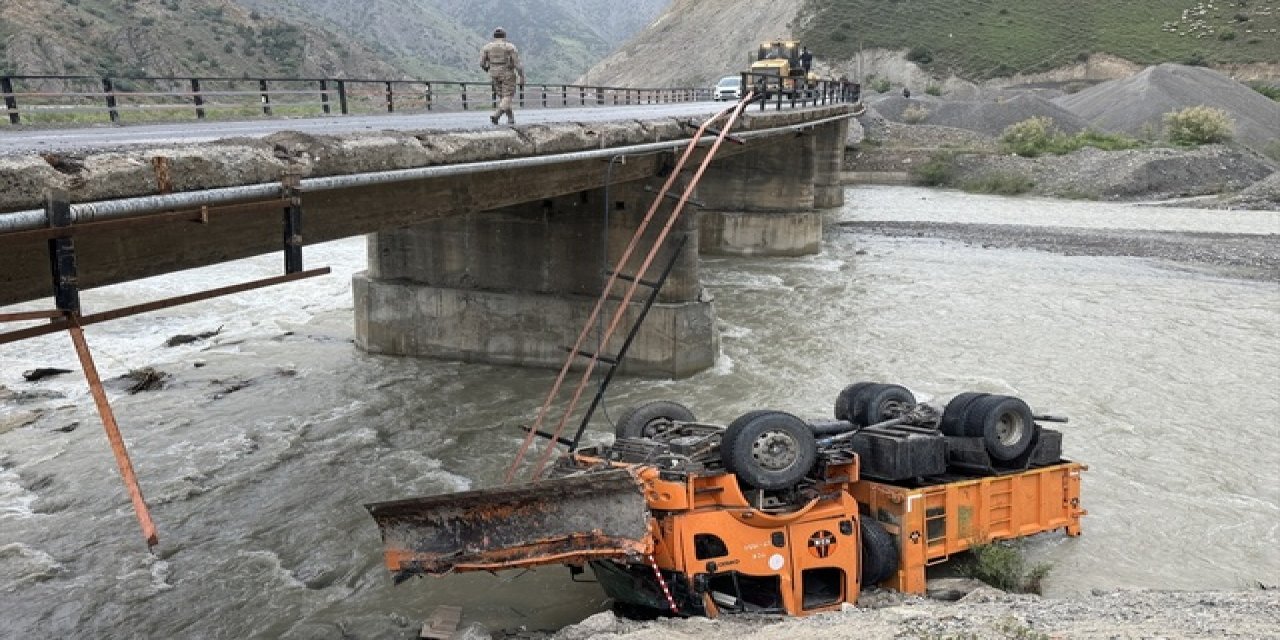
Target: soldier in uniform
{"points": [[501, 59]]}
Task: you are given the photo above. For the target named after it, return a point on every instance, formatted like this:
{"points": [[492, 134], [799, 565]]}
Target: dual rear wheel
{"points": [[1004, 423]]}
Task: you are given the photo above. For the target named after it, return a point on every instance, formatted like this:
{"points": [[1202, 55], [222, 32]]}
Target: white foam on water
{"points": [[24, 564], [15, 500]]}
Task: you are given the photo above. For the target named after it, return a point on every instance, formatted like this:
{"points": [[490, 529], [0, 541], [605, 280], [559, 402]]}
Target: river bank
{"points": [[987, 614], [269, 436]]}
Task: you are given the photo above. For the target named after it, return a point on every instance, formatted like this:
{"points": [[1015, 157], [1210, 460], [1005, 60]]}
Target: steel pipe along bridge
{"points": [[485, 244]]}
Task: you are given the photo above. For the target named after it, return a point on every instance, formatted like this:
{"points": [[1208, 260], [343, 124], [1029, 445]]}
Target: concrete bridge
{"points": [[484, 245]]}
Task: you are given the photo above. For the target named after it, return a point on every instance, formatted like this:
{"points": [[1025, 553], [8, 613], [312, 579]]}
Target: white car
{"points": [[728, 88]]}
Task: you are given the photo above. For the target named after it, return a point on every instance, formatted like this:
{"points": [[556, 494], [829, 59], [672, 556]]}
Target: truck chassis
{"points": [[770, 514]]}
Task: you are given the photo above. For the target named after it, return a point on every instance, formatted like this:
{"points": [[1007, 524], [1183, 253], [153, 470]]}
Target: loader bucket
{"points": [[560, 521]]}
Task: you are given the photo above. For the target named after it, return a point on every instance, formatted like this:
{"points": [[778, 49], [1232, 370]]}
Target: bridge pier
{"points": [[766, 201], [515, 286]]}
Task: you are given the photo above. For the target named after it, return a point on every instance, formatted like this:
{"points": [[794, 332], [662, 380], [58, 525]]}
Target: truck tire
{"points": [[726, 446], [773, 451], [1005, 425], [883, 402], [879, 553], [848, 399], [953, 417], [642, 421]]}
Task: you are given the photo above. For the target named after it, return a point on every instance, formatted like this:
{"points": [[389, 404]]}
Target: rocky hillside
{"points": [[978, 40], [430, 39], [440, 39], [696, 41], [170, 37]]}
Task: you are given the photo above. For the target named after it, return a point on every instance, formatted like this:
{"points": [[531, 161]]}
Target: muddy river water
{"points": [[258, 460]]}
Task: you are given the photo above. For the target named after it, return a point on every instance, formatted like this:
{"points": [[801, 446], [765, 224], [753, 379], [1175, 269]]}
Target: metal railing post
{"points": [[391, 98], [10, 101], [564, 96], [197, 99], [428, 96], [342, 97], [265, 94], [62, 253], [544, 96], [110, 90], [521, 96], [464, 96], [324, 96]]}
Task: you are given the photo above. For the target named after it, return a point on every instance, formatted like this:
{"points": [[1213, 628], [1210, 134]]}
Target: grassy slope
{"points": [[989, 38]]}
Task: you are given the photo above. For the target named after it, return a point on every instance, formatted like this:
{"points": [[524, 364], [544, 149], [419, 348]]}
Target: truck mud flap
{"points": [[566, 520]]}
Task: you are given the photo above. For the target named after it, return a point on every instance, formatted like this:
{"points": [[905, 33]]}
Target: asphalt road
{"points": [[29, 141]]}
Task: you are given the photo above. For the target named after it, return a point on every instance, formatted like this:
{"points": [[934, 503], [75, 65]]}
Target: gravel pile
{"points": [[982, 614], [1233, 255], [989, 117], [928, 136], [1123, 175], [1136, 105], [1264, 195]]}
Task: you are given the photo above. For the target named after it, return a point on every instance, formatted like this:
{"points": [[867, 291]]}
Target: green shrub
{"points": [[937, 171], [1031, 137], [933, 89], [880, 85], [915, 114], [1198, 125], [1270, 91], [1227, 35], [1036, 136], [1104, 141], [920, 55], [1004, 184], [1273, 150], [1003, 566]]}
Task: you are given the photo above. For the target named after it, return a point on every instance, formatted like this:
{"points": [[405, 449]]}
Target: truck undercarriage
{"points": [[769, 514]]}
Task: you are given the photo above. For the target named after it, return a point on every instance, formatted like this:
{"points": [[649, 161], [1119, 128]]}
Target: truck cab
{"points": [[776, 68]]}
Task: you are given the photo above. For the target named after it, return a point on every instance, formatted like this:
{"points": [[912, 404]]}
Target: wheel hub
{"points": [[775, 450], [1009, 429]]}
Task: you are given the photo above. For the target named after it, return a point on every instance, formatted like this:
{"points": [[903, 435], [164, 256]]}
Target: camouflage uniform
{"points": [[502, 60]]}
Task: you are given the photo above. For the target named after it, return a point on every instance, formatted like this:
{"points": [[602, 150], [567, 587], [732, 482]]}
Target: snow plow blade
{"points": [[560, 521]]}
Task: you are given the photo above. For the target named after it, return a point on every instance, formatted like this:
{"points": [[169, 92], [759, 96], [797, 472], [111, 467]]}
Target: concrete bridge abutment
{"points": [[515, 286], [766, 202]]}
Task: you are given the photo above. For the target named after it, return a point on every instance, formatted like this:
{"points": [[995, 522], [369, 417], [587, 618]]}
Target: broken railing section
{"points": [[566, 520], [68, 316]]}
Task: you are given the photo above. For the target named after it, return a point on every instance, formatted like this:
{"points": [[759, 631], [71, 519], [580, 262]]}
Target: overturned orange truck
{"points": [[769, 514]]}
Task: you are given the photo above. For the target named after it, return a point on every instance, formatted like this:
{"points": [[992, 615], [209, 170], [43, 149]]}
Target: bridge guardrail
{"points": [[799, 91], [53, 99]]}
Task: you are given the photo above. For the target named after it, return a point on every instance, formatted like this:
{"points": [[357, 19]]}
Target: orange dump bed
{"points": [[931, 523]]}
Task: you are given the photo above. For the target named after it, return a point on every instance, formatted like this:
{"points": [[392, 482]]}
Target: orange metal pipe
{"points": [[595, 312], [113, 432], [635, 283]]}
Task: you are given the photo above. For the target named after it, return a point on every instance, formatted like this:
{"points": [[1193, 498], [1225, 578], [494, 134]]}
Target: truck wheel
{"points": [[849, 398], [879, 553], [883, 402], [773, 451], [645, 420], [726, 445], [1005, 424], [953, 417]]}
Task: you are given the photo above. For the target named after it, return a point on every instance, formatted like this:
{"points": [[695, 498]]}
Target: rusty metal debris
{"points": [[42, 373], [145, 379], [185, 338], [562, 521]]}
